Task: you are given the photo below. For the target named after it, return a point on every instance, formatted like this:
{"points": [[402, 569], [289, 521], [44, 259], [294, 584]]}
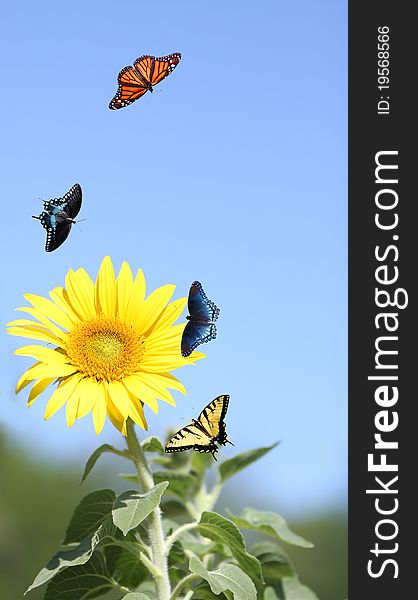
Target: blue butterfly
{"points": [[202, 314], [59, 215]]}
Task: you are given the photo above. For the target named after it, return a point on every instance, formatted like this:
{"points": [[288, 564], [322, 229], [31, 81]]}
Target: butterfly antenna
{"points": [[79, 220]]}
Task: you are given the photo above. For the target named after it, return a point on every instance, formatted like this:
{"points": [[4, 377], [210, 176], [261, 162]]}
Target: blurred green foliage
{"points": [[324, 568], [36, 501]]}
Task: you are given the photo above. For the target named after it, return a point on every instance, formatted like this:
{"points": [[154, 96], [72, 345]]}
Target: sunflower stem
{"points": [[154, 522], [181, 584], [177, 533]]}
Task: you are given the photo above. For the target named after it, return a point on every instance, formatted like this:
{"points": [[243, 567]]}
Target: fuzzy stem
{"points": [[154, 521], [182, 583], [177, 533]]}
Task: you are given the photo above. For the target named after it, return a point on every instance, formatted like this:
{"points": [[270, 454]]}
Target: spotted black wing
{"points": [[195, 334], [73, 200], [57, 229], [201, 309], [70, 203]]}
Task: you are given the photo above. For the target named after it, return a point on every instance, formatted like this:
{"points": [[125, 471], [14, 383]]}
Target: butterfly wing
{"points": [[153, 70], [206, 432], [195, 334], [212, 418], [131, 87], [72, 201], [57, 236], [188, 438], [200, 307], [57, 229]]}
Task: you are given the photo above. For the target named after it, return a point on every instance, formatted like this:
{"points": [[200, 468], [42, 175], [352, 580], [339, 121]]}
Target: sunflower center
{"points": [[105, 348]]}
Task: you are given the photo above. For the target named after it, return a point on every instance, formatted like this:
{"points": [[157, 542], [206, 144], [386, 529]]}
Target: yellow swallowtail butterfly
{"points": [[205, 433]]}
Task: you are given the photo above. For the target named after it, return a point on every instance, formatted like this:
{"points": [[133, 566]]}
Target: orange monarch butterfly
{"points": [[135, 81]]}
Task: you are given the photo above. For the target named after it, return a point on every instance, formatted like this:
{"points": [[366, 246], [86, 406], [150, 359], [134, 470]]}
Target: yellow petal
{"points": [[88, 392], [38, 388], [119, 397], [71, 409], [44, 321], [116, 417], [80, 290], [162, 363], [159, 388], [50, 310], [41, 371], [166, 380], [60, 296], [137, 412], [124, 285], [26, 378], [35, 333], [195, 355], [163, 339], [100, 408], [42, 353], [140, 391], [106, 289], [61, 395], [136, 298], [153, 307], [170, 315], [28, 322]]}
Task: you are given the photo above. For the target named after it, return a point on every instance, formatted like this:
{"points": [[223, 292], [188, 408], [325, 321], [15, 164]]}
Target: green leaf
{"points": [[182, 485], [152, 444], [132, 507], [176, 555], [131, 477], [203, 592], [85, 581], [201, 461], [229, 467], [124, 563], [270, 594], [136, 596], [94, 458], [75, 556], [89, 514], [223, 531], [275, 564], [270, 523], [226, 577], [294, 590]]}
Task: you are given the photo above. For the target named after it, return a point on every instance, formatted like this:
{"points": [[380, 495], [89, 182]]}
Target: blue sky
{"points": [[233, 172]]}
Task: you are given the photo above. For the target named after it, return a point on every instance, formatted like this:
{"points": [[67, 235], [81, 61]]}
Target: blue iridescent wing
{"points": [[201, 309], [70, 203], [195, 334]]}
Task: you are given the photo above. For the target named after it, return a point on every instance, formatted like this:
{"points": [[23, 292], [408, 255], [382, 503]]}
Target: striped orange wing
{"points": [[131, 87], [153, 70]]}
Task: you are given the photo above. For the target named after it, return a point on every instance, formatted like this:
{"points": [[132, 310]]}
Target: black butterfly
{"points": [[59, 215], [201, 327], [205, 433]]}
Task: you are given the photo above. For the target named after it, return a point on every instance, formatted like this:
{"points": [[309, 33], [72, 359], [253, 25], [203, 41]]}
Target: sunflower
{"points": [[112, 349]]}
